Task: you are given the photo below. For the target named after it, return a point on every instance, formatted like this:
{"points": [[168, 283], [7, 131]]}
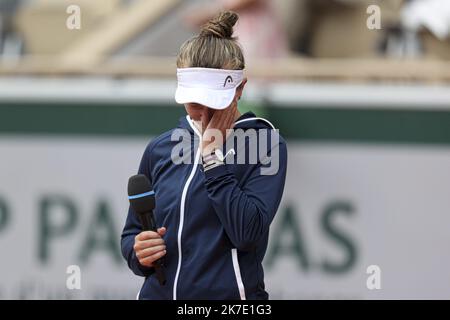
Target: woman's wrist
{"points": [[212, 159]]}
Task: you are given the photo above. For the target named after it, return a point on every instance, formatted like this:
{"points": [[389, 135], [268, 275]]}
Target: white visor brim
{"points": [[213, 88]]}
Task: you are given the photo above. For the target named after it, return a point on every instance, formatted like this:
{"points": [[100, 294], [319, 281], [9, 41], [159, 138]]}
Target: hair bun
{"points": [[220, 26]]}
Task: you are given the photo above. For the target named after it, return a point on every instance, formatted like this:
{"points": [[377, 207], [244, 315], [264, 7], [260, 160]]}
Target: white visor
{"points": [[213, 88]]}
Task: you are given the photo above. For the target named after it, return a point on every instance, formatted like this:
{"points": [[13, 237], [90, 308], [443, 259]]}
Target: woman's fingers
{"points": [[162, 231], [146, 235], [149, 246], [141, 245], [141, 254], [223, 120], [148, 261]]}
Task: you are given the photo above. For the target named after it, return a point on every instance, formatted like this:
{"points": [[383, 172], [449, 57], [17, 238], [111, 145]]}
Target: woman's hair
{"points": [[215, 47]]}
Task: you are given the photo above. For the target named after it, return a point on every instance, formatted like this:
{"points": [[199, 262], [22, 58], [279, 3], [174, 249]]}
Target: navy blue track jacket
{"points": [[217, 221]]}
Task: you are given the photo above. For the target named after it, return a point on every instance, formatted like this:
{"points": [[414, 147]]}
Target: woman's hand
{"points": [[149, 246], [222, 120]]}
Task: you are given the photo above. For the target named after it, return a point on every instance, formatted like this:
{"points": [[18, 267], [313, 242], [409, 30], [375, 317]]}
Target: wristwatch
{"points": [[212, 160]]}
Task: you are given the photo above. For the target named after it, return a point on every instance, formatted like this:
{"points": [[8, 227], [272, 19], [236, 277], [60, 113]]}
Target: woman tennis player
{"points": [[214, 212]]}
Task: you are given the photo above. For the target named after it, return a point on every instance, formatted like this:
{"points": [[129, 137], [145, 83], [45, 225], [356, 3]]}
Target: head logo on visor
{"points": [[228, 79], [207, 86]]}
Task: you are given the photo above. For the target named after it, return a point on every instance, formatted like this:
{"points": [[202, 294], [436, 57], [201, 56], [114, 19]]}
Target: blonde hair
{"points": [[215, 47]]}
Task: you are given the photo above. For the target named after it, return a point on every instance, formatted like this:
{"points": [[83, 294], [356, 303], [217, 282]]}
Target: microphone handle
{"points": [[147, 221], [148, 224]]}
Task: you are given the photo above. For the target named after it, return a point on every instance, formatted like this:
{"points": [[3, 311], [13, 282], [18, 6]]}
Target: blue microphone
{"points": [[142, 200]]}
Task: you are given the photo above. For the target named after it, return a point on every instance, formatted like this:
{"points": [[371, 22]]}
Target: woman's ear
{"points": [[240, 89]]}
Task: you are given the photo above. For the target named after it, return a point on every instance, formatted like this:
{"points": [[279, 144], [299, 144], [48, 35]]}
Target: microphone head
{"points": [[140, 194]]}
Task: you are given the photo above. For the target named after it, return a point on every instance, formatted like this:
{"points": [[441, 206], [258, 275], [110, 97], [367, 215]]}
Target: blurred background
{"points": [[359, 89]]}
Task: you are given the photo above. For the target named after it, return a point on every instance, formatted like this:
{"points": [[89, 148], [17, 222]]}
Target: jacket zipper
{"points": [[182, 207]]}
